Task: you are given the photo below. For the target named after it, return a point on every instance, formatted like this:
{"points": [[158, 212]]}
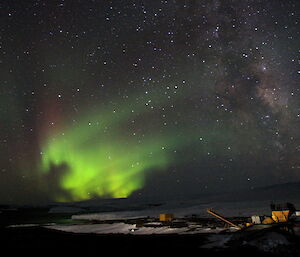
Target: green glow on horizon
{"points": [[100, 169], [101, 158], [98, 155]]}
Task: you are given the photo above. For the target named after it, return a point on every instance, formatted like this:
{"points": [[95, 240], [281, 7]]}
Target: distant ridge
{"points": [[278, 192]]}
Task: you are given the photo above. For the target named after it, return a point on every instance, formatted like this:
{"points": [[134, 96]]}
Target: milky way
{"points": [[147, 98]]}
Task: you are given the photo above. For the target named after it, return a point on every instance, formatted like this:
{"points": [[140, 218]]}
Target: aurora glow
{"points": [[98, 156], [100, 169], [100, 162]]}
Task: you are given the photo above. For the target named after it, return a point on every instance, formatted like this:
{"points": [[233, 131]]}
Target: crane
{"points": [[210, 211]]}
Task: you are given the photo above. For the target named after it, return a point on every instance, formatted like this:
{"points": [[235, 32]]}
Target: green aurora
{"points": [[101, 158], [100, 169]]}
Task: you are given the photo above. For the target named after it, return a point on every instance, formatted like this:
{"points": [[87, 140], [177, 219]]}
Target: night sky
{"points": [[129, 98]]}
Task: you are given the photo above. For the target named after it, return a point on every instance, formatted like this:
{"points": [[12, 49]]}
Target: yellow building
{"points": [[166, 217], [281, 216]]}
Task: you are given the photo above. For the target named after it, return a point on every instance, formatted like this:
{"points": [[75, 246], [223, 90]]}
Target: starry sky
{"points": [[136, 98]]}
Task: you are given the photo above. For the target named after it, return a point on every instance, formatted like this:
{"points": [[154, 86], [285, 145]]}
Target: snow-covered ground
{"points": [[118, 220], [138, 218], [124, 228]]}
